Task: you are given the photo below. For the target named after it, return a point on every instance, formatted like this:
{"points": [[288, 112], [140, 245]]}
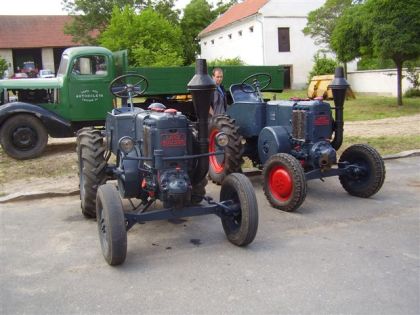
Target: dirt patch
{"points": [[400, 126]]}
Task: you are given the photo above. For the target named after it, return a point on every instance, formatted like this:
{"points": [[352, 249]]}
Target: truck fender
{"points": [[56, 126]]}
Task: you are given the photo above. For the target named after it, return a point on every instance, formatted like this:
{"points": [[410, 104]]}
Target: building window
{"points": [[284, 39], [240, 33], [205, 43], [230, 36], [212, 41], [251, 29]]}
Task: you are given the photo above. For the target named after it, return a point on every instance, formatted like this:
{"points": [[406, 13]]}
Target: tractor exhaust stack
{"points": [[201, 88], [339, 87]]}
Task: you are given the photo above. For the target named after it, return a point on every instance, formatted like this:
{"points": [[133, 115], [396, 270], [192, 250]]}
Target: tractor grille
{"points": [[299, 118]]}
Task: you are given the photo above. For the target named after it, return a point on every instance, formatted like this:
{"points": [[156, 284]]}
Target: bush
{"points": [[226, 62], [412, 92], [322, 65]]}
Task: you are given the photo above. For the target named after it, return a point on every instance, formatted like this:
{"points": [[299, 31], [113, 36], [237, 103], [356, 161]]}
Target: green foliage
{"points": [[369, 63], [322, 65], [197, 15], [150, 38], [91, 18], [226, 62], [321, 22], [3, 67], [412, 92], [413, 74]]}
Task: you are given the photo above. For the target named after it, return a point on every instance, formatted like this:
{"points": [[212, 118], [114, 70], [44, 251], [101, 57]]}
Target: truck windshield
{"points": [[63, 66]]}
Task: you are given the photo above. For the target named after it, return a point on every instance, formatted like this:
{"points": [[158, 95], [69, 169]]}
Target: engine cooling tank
{"points": [[273, 140]]}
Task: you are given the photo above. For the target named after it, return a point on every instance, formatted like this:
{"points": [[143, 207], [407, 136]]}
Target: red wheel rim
{"points": [[214, 163], [280, 183]]}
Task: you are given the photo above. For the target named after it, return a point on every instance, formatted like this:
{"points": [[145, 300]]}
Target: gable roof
{"points": [[34, 31], [235, 13]]}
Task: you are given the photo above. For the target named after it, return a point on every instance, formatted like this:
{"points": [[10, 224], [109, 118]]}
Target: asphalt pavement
{"points": [[337, 254]]}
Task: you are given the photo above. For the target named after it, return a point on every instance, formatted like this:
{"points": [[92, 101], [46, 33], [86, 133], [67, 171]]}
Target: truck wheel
{"points": [[111, 225], [222, 165], [23, 137], [240, 228], [199, 191], [369, 174], [91, 161], [284, 182]]}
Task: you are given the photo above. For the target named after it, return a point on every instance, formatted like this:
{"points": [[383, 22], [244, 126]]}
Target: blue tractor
{"points": [[162, 156], [292, 141]]}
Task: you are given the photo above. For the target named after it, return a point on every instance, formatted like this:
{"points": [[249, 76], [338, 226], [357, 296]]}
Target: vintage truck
{"points": [[79, 96]]}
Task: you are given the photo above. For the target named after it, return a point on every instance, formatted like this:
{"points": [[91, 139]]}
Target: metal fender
{"points": [[56, 126], [273, 140]]}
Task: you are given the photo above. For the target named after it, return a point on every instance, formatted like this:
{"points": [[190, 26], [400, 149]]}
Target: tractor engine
{"points": [[301, 128]]}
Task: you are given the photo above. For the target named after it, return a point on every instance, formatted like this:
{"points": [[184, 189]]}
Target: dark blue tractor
{"points": [[292, 141], [159, 156]]}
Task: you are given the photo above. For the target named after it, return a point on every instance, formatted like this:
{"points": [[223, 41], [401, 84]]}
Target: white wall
{"points": [[379, 82], [248, 46]]}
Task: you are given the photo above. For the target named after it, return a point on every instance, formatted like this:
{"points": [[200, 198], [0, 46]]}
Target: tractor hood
{"points": [[44, 83]]}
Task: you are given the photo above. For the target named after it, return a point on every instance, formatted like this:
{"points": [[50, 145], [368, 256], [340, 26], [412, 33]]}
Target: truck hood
{"points": [[44, 83]]}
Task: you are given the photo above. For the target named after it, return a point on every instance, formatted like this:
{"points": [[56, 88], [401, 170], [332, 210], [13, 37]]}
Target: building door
{"points": [[27, 60]]}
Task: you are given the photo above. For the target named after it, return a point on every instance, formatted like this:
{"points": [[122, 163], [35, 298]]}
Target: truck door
{"points": [[89, 96]]}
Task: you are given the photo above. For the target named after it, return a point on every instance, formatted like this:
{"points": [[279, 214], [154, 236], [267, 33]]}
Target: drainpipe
{"points": [[262, 37]]}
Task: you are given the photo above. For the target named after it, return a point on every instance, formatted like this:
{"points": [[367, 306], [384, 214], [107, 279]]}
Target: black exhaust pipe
{"points": [[201, 88], [339, 87]]}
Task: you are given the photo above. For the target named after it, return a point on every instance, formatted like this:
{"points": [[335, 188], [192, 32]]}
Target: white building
{"points": [[264, 32]]}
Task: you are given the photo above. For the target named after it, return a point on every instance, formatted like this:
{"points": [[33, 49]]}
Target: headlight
{"points": [[126, 144], [222, 139]]}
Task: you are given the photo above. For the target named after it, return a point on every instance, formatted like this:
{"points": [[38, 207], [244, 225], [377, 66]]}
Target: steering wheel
{"points": [[124, 87], [255, 82]]}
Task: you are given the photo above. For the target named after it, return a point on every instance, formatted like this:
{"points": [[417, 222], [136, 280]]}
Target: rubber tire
{"points": [[233, 151], [198, 191], [111, 225], [31, 122], [91, 166], [240, 230], [289, 169], [363, 155]]}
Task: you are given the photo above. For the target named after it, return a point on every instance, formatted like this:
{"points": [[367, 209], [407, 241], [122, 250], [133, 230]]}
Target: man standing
{"points": [[219, 101]]}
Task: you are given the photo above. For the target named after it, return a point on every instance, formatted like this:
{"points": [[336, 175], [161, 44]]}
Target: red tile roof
{"points": [[235, 13], [34, 31]]}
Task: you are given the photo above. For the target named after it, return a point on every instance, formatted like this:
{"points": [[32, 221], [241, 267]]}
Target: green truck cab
{"points": [[33, 109]]}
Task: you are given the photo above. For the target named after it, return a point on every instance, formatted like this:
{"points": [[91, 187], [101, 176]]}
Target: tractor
{"points": [[161, 158], [292, 141]]}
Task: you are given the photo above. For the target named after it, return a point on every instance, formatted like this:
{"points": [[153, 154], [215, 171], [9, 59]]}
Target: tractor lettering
{"points": [[173, 140], [322, 120]]}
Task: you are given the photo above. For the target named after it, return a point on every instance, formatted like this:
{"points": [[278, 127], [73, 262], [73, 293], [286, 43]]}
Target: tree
{"points": [[322, 65], [388, 29], [3, 67], [321, 22], [150, 38], [197, 16], [90, 18]]}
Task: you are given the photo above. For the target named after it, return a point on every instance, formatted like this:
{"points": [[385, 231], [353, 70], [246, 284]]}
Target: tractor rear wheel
{"points": [[229, 162], [369, 174], [111, 225], [284, 182], [23, 137], [241, 226], [91, 161]]}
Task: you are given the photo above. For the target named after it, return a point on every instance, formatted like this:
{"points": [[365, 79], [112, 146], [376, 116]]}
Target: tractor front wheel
{"points": [[229, 162], [241, 225], [368, 174], [111, 225], [284, 182], [23, 137], [91, 162]]}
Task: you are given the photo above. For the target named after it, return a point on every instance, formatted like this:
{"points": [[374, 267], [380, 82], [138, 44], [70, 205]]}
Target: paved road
{"points": [[337, 254]]}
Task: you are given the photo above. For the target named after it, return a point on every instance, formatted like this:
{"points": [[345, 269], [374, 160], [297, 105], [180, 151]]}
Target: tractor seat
{"points": [[238, 94]]}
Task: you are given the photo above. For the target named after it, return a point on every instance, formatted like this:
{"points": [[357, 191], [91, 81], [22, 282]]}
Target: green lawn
{"points": [[364, 107]]}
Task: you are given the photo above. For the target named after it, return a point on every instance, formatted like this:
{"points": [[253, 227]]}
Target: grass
{"points": [[365, 107]]}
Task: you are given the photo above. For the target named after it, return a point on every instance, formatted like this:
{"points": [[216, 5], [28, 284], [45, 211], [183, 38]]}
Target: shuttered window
{"points": [[284, 39]]}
